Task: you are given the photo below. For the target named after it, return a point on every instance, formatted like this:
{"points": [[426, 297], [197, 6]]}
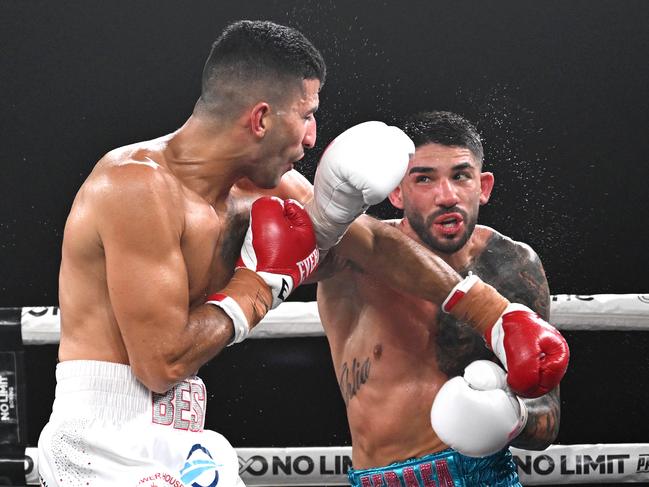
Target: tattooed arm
{"points": [[371, 245], [542, 424], [518, 274]]}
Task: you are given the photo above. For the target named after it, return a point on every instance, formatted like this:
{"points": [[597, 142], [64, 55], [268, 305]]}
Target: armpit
{"points": [[329, 266]]}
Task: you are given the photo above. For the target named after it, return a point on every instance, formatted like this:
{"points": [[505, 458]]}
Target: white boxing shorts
{"points": [[108, 430]]}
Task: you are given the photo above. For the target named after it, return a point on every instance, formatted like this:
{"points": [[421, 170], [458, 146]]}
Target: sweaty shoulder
{"points": [[131, 183], [512, 267]]}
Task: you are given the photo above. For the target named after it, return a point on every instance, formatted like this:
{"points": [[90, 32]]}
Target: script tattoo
{"points": [[353, 377]]}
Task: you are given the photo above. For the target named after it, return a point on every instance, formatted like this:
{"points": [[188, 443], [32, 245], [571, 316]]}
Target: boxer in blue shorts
{"points": [[422, 375]]}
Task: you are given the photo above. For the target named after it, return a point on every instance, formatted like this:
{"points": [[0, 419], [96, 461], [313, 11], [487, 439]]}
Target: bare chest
{"points": [[377, 317], [210, 246], [402, 316]]}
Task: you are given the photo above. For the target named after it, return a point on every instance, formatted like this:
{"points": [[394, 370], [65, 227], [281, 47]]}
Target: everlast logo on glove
{"points": [[283, 292], [308, 265]]}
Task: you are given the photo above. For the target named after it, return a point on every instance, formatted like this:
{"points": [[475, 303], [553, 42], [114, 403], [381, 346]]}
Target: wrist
{"points": [[330, 216], [245, 299], [523, 416], [477, 303], [231, 308]]}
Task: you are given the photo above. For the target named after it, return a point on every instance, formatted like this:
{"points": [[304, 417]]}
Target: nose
{"points": [[310, 134], [446, 196]]}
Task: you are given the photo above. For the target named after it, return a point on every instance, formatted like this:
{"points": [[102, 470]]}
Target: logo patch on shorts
{"points": [[200, 469]]}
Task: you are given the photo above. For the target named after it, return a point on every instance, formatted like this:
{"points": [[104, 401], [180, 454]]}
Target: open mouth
{"points": [[449, 223]]}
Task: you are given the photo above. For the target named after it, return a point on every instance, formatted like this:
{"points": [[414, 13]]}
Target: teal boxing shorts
{"points": [[447, 468]]}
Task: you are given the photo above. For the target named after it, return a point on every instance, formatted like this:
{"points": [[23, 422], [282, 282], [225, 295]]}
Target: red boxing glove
{"points": [[280, 245], [534, 353], [278, 253]]}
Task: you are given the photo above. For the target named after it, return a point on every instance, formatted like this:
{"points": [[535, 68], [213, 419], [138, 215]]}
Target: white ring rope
{"points": [[566, 464], [41, 325]]}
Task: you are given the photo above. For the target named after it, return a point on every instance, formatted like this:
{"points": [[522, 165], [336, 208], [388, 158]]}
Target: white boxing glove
{"points": [[476, 414], [358, 169]]}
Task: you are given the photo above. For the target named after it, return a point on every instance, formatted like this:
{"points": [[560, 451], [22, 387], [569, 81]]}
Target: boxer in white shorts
{"points": [[107, 429], [151, 286], [178, 246]]}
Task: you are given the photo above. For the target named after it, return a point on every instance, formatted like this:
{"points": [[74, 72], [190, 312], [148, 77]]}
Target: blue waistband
{"points": [[447, 468]]}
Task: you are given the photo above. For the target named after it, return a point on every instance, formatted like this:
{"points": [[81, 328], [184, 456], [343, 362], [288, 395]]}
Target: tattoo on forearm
{"points": [[542, 425], [353, 377]]}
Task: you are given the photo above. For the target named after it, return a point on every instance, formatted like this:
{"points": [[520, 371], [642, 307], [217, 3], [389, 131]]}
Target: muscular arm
{"points": [[371, 245], [543, 422], [374, 245], [527, 284], [140, 228]]}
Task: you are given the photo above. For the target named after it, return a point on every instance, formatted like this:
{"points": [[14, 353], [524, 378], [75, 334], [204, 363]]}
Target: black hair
{"points": [[257, 55], [445, 128]]}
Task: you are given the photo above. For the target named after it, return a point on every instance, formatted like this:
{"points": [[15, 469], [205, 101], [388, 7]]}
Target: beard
{"points": [[446, 245]]}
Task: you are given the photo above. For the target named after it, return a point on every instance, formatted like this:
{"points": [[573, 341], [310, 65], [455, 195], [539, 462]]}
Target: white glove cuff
{"points": [[280, 286], [239, 320], [498, 333], [522, 419], [328, 232]]}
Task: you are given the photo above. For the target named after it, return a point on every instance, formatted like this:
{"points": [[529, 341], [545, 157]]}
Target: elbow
{"points": [[537, 441], [534, 444], [161, 376], [543, 443]]}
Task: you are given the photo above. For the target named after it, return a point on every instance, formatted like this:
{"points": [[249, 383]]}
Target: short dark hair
{"points": [[445, 128], [257, 55]]}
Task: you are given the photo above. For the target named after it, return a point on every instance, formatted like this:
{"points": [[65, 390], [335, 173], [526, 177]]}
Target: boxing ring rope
{"points": [[566, 464], [620, 312]]}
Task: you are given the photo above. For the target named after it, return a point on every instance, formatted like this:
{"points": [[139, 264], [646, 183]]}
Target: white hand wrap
{"points": [[358, 169], [476, 414], [236, 314]]}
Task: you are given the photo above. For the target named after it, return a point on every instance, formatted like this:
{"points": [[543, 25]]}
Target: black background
{"points": [[558, 89]]}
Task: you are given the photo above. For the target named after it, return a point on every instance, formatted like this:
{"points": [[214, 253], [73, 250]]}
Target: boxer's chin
{"points": [[444, 242]]}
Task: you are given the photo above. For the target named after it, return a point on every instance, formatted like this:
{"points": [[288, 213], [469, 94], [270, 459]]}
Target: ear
{"points": [[396, 198], [260, 119], [486, 185]]}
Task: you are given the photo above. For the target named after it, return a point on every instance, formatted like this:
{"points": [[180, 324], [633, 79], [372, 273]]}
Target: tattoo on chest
{"points": [[352, 377], [518, 275]]}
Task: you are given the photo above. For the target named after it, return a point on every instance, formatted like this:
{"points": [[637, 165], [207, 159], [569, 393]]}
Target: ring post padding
{"points": [[13, 435], [12, 466], [10, 329], [12, 399], [12, 380]]}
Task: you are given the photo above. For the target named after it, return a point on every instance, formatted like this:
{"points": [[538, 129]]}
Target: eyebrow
{"points": [[428, 169]]}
